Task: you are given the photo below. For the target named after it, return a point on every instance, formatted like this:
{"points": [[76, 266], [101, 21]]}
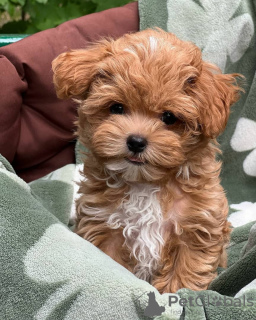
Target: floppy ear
{"points": [[218, 92], [75, 70]]}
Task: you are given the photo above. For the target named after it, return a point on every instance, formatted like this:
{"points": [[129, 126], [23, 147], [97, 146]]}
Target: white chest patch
{"points": [[141, 217]]}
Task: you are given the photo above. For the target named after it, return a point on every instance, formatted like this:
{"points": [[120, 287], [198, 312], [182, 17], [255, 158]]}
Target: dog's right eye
{"points": [[168, 118], [117, 108]]}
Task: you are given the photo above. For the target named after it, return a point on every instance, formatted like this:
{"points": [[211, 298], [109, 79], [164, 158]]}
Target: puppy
{"points": [[149, 111]]}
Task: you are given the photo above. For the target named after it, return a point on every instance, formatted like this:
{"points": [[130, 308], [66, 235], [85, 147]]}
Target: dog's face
{"points": [[148, 102]]}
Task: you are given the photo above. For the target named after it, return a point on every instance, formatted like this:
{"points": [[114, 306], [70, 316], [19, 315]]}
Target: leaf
{"points": [[3, 2], [18, 2], [44, 14], [55, 12], [42, 1], [15, 27], [11, 9], [106, 4], [38, 1]]}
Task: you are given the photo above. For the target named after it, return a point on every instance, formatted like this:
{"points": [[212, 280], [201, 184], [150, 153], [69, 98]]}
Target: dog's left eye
{"points": [[168, 117], [191, 80], [117, 108]]}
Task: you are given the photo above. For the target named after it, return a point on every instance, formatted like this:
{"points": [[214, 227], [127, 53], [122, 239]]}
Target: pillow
{"points": [[36, 128]]}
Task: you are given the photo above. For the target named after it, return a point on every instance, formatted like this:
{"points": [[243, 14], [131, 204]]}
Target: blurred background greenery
{"points": [[30, 16]]}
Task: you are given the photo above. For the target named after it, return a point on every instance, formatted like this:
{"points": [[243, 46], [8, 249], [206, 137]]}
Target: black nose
{"points": [[136, 144]]}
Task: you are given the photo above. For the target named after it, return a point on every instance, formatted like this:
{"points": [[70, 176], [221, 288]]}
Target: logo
{"points": [[217, 301], [153, 309]]}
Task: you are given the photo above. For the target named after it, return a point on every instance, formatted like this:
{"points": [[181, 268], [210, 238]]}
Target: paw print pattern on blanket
{"points": [[245, 213], [244, 139], [214, 26]]}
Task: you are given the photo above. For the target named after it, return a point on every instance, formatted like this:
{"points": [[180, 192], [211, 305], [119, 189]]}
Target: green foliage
{"points": [[30, 16], [106, 4]]}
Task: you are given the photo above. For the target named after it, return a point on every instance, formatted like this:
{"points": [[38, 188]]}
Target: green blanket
{"points": [[48, 272], [225, 31]]}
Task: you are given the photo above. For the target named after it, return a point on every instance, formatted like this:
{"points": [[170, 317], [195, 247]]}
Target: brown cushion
{"points": [[36, 129]]}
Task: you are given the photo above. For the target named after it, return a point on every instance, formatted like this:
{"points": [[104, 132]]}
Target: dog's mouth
{"points": [[136, 161]]}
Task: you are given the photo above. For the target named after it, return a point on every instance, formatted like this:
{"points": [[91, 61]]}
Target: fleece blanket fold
{"points": [[48, 272]]}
